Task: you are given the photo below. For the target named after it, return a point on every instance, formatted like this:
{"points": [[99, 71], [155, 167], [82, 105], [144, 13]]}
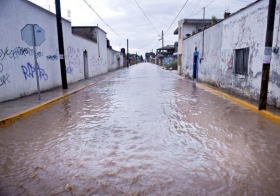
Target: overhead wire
{"points": [[194, 8], [203, 7], [191, 6], [146, 16], [176, 17], [102, 19], [146, 12], [150, 41], [209, 3]]}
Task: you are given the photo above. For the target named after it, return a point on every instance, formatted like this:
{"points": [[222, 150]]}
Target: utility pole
{"points": [[267, 54], [203, 33], [162, 63], [61, 45], [127, 58], [162, 39]]}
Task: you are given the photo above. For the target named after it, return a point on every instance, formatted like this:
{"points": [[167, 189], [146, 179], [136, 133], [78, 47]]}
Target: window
{"points": [[241, 61]]}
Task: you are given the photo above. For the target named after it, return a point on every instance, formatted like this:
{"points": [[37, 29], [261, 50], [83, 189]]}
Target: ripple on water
{"points": [[132, 135]]}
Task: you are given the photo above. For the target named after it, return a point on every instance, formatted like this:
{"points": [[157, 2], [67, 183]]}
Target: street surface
{"points": [[141, 130]]}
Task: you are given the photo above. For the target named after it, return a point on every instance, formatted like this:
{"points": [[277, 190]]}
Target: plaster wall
{"points": [[245, 29], [274, 76], [115, 60], [17, 67]]}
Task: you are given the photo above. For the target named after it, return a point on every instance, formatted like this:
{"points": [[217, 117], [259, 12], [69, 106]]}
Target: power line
{"points": [[204, 7], [190, 6], [147, 13], [210, 3], [194, 8], [176, 17], [197, 12], [102, 19], [150, 41], [146, 16]]}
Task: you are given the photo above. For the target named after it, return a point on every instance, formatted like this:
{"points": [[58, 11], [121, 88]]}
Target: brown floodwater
{"points": [[141, 131]]}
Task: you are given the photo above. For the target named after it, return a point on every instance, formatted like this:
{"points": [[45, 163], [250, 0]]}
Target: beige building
{"points": [[187, 27]]}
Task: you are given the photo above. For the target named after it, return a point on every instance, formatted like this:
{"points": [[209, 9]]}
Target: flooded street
{"points": [[141, 131]]}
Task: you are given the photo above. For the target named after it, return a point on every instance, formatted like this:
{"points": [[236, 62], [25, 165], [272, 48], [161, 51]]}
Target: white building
{"points": [[234, 51], [83, 57], [187, 27]]}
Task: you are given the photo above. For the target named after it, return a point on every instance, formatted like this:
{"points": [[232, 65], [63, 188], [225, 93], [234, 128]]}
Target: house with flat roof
{"points": [[186, 27]]}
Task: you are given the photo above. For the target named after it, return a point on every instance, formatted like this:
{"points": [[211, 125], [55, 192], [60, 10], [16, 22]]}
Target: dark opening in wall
{"points": [[241, 61]]}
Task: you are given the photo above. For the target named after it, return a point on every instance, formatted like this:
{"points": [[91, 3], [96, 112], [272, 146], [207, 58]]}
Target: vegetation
{"points": [[173, 65], [214, 19]]}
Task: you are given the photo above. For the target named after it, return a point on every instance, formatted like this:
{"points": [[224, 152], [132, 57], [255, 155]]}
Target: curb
{"points": [[15, 117], [264, 113]]}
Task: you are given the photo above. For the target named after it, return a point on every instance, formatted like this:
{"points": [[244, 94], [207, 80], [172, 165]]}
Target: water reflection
{"points": [[141, 131]]}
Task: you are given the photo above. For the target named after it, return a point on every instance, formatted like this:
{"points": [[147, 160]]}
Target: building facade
{"points": [[187, 27], [84, 56], [233, 53]]}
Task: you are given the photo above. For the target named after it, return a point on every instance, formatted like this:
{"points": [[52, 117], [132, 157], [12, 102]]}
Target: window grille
{"points": [[241, 61]]}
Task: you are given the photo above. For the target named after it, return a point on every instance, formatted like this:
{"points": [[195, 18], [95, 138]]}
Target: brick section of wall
{"points": [[86, 32]]}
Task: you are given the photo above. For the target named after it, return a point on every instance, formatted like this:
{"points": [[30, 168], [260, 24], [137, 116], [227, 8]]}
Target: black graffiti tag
{"points": [[4, 53], [4, 79], [1, 68]]}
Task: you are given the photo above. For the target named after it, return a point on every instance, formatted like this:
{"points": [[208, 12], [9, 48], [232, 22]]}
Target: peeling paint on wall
{"points": [[244, 29]]}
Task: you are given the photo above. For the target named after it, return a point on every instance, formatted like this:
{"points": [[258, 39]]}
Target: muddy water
{"points": [[141, 131]]}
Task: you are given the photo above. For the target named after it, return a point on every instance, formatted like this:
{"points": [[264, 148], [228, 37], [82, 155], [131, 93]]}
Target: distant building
{"points": [[187, 27], [165, 55]]}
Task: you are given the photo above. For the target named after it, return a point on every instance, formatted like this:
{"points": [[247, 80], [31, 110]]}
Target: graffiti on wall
{"points": [[53, 57], [72, 58], [97, 64], [17, 52], [227, 58], [69, 69], [4, 53], [30, 72], [4, 78], [167, 60]]}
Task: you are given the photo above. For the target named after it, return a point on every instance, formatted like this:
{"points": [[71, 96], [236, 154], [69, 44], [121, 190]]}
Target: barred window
{"points": [[241, 61]]}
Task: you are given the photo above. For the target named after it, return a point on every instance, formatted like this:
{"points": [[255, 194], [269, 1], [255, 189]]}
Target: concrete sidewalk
{"points": [[270, 113], [15, 109]]}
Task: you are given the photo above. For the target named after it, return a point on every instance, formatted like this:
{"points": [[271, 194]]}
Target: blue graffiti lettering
{"points": [[30, 72], [17, 52], [69, 70], [52, 57], [39, 54]]}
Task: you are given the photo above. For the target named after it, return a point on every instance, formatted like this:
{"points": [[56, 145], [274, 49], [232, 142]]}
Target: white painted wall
{"points": [[115, 60], [246, 28], [17, 73]]}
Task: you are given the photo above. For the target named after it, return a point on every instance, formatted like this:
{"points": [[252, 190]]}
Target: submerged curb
{"points": [[264, 113], [15, 117]]}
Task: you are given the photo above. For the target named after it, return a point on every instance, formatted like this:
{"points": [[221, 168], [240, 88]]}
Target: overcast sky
{"points": [[129, 22]]}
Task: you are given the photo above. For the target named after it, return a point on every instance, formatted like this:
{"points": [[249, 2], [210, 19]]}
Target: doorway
{"points": [[195, 65], [86, 72]]}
